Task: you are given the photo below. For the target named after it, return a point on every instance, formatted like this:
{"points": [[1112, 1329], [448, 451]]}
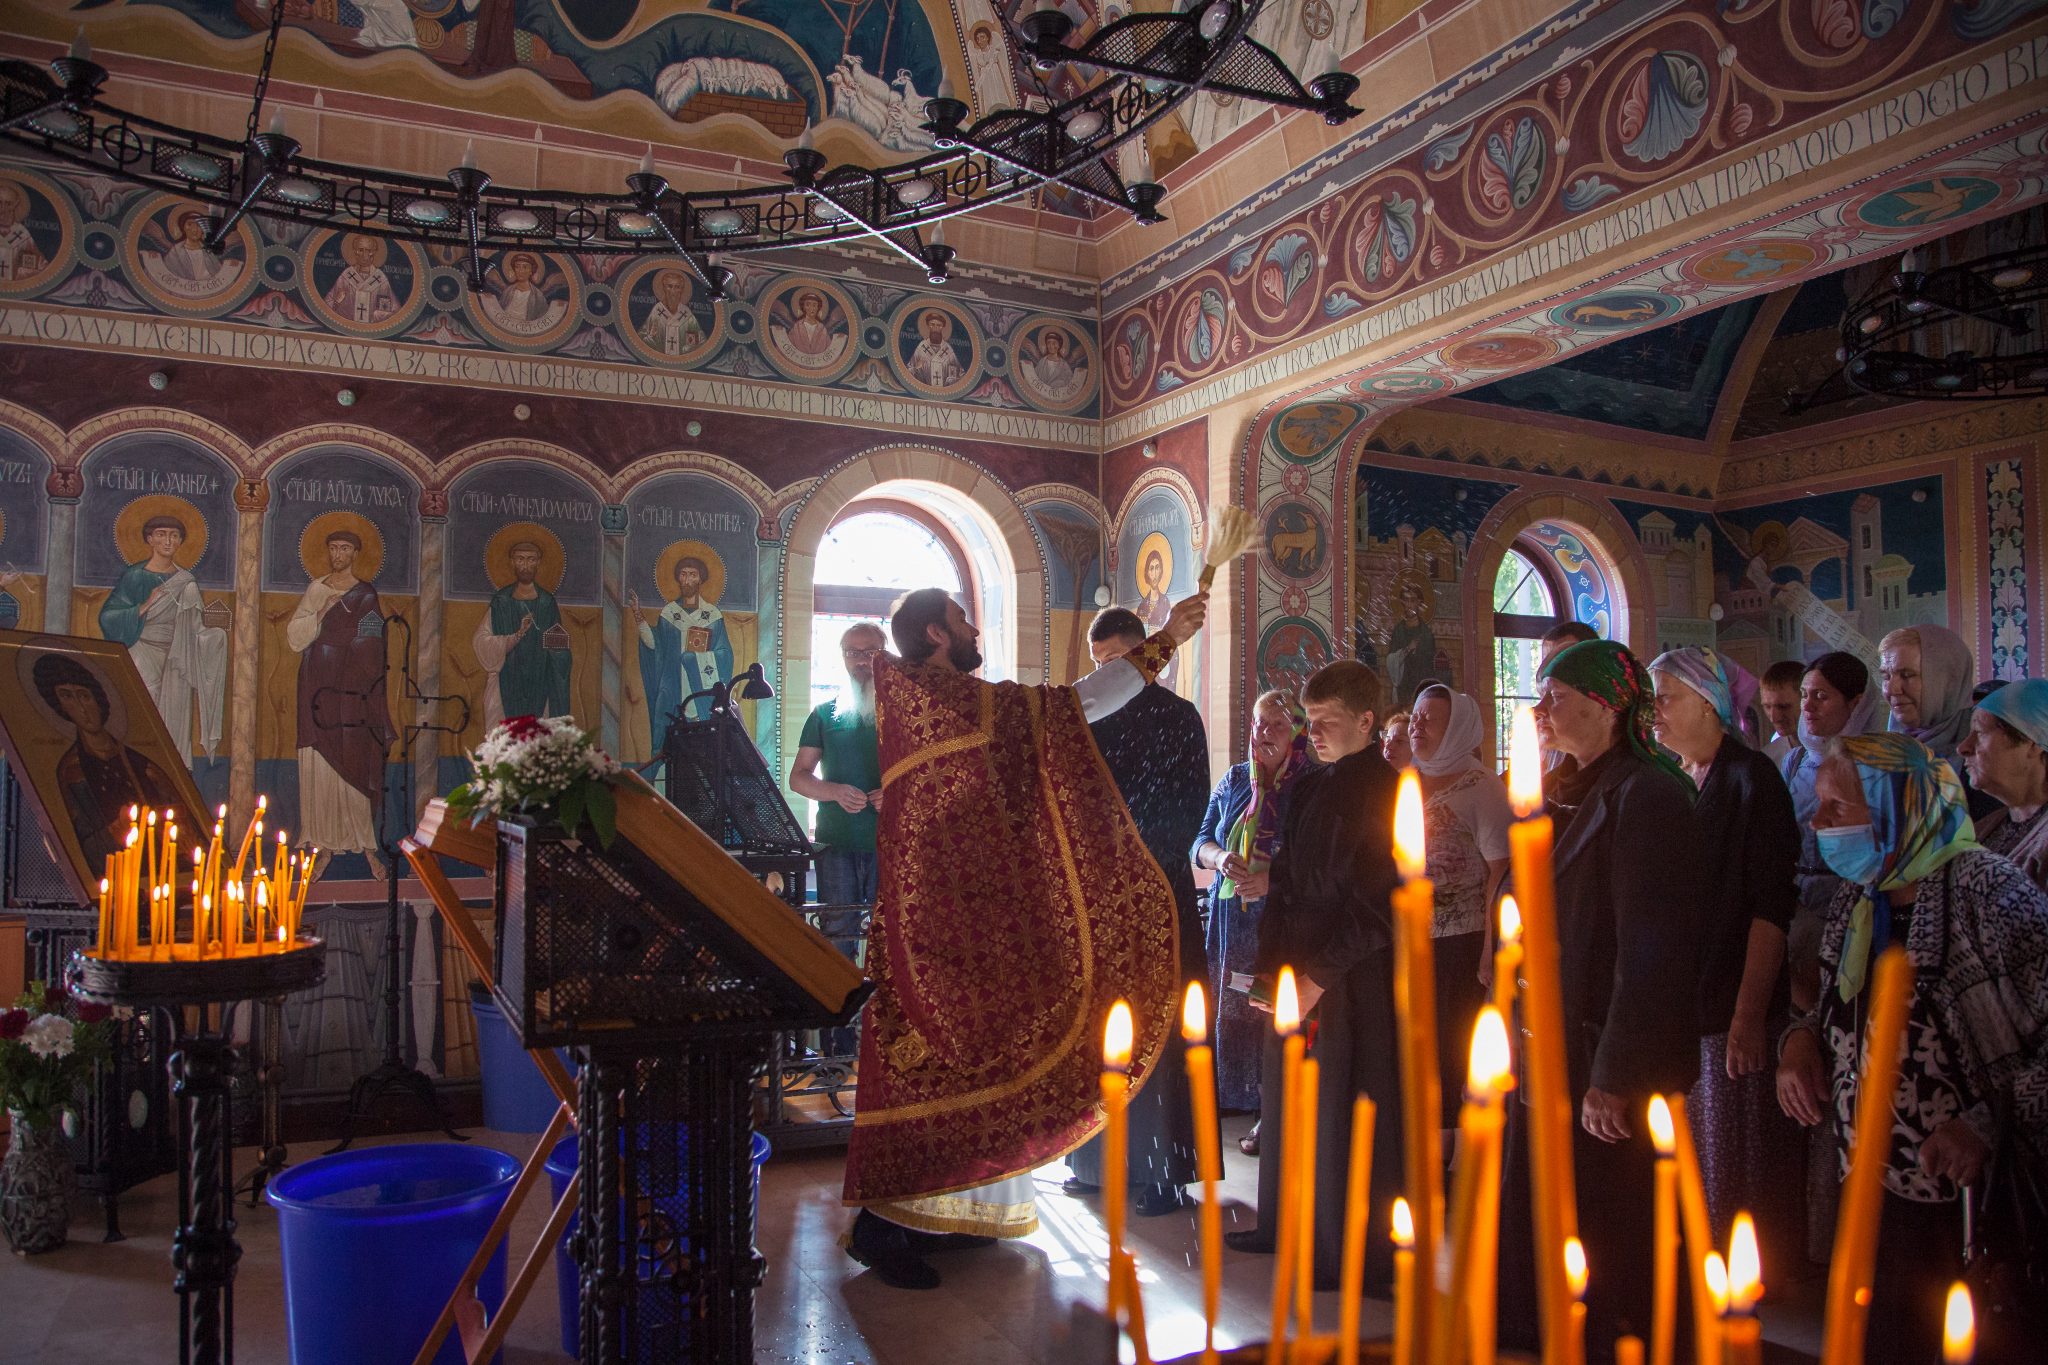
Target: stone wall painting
{"points": [[24, 532], [1073, 543], [1157, 563], [38, 233]]}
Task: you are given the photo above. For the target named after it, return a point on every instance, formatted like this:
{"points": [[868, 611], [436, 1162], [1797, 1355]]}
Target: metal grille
{"points": [[31, 876], [592, 942], [717, 778]]}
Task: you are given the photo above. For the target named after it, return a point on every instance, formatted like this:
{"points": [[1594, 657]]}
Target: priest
{"points": [[1015, 903]]}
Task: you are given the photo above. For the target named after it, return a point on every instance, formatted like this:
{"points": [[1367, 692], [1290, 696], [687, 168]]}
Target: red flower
{"points": [[89, 1013], [525, 727], [13, 1023], [55, 997]]}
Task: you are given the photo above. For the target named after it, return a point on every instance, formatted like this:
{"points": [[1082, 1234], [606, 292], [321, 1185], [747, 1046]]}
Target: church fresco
{"points": [[165, 249], [1157, 563], [24, 531], [38, 233], [362, 285]]}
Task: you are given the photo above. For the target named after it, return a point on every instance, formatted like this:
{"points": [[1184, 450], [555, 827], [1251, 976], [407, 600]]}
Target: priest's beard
{"points": [[963, 655], [857, 698]]}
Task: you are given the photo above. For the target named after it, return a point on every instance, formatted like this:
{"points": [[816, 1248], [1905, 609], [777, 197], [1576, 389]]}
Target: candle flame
{"points": [[1717, 1282], [259, 829], [280, 838], [104, 886], [1487, 1067], [134, 812], [1194, 1015], [221, 813], [1745, 1265], [152, 817], [280, 933], [1409, 854], [263, 896], [133, 835], [1116, 1038], [1959, 1327], [1525, 764], [1286, 1003], [1510, 920], [1575, 1267], [198, 858], [1663, 1132], [1404, 1225], [262, 804]]}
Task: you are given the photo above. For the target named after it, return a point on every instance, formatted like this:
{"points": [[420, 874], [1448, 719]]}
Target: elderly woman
{"points": [[1629, 881], [1928, 675], [1974, 1061], [1397, 740], [2006, 748], [1238, 838], [1465, 815], [1750, 842]]}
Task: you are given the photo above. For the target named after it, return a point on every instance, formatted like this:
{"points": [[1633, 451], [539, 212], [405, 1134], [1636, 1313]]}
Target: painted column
{"points": [[252, 496], [426, 663], [610, 684], [65, 487]]}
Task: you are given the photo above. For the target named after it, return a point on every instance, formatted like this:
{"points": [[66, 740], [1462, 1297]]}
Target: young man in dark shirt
{"points": [[1329, 915]]}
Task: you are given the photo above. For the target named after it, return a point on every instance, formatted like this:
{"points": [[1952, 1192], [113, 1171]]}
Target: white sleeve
{"points": [[1105, 691]]}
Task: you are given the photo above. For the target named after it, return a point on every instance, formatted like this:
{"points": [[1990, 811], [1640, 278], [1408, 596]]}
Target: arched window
{"points": [[876, 551], [1527, 602]]}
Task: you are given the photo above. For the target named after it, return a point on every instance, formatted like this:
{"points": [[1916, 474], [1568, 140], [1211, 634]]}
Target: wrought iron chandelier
{"points": [[1967, 331], [1141, 68]]}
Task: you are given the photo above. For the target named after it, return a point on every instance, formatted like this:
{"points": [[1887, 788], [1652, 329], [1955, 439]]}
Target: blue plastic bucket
{"points": [[374, 1242], [516, 1096], [561, 1168]]}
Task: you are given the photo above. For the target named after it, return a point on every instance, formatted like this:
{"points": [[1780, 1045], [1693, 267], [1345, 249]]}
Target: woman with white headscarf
{"points": [[2006, 750], [1749, 1151], [1928, 675], [1465, 816]]}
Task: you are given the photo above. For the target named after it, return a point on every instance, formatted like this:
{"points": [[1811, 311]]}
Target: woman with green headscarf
{"points": [[1893, 824], [1629, 873]]}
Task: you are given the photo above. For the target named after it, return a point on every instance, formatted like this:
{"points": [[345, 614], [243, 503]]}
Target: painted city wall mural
{"points": [[74, 241]]}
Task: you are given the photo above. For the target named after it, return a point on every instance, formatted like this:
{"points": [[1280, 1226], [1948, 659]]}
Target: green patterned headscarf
{"points": [[1920, 820], [1610, 675]]}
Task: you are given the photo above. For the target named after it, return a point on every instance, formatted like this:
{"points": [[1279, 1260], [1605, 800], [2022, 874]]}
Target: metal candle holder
{"points": [[204, 1251]]}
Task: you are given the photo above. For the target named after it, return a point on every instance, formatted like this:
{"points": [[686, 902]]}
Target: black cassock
{"points": [[1158, 753]]}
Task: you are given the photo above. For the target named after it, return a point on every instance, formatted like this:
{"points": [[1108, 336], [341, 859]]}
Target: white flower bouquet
{"points": [[542, 765]]}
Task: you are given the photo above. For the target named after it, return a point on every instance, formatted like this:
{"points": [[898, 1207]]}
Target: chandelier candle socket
{"points": [[1421, 1083], [1201, 1066]]}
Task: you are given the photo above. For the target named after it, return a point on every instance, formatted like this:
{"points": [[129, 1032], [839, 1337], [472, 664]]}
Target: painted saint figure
{"points": [[1153, 608], [363, 292], [156, 610], [100, 776], [20, 257], [935, 362], [344, 724], [685, 651], [671, 327], [1411, 644], [810, 339], [523, 646], [1054, 372], [517, 301], [186, 267]]}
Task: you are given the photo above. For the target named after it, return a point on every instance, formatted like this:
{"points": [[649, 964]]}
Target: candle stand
{"points": [[201, 997]]}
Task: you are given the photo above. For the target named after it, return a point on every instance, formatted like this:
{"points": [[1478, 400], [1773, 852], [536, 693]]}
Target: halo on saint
{"points": [[1158, 544], [714, 570], [58, 727], [128, 524], [1425, 592], [321, 529], [498, 553]]}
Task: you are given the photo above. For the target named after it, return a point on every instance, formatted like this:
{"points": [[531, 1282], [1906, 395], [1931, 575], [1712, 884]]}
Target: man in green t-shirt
{"points": [[841, 735]]}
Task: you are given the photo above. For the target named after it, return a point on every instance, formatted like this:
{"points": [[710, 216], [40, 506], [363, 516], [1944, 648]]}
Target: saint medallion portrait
{"points": [[1052, 365], [361, 284], [36, 235], [529, 301], [808, 330], [170, 262], [936, 348], [666, 318]]}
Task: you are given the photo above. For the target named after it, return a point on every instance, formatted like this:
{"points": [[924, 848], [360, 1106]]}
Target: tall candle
{"points": [[1287, 1023], [1959, 1327], [106, 922], [1715, 1271], [1479, 1128], [1574, 1265], [1699, 1236], [1742, 1333], [1628, 1351], [1404, 1283], [1507, 958], [1194, 1030], [1664, 1316], [1116, 1087], [280, 887], [1304, 1127], [1550, 1109], [1421, 1083], [1855, 1256], [253, 832], [1357, 1206], [1134, 1307]]}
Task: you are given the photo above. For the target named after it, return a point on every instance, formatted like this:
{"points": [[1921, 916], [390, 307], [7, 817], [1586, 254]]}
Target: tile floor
{"points": [[92, 1302]]}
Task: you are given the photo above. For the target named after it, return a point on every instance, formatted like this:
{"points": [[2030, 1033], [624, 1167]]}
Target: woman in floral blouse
{"points": [[1893, 824]]}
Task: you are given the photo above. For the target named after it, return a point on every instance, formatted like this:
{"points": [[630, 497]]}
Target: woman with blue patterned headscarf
{"points": [[1893, 825], [1749, 840], [2006, 749]]}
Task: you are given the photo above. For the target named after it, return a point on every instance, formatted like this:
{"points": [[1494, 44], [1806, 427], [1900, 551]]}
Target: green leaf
{"points": [[570, 810], [604, 812]]}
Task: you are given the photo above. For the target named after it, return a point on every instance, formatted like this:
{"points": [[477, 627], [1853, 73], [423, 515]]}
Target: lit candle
{"points": [[1404, 1283], [1715, 1270], [231, 913], [128, 898], [1958, 1327], [1855, 1254], [1628, 1351], [1742, 1333], [1357, 1207], [1421, 1083], [1507, 958], [1664, 1320], [1550, 1108], [204, 935], [1304, 1128], [1116, 1087], [1287, 1023], [1194, 1030], [151, 872], [1134, 1307], [106, 935], [249, 836], [1699, 1237], [279, 887], [1479, 1128], [1575, 1285]]}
